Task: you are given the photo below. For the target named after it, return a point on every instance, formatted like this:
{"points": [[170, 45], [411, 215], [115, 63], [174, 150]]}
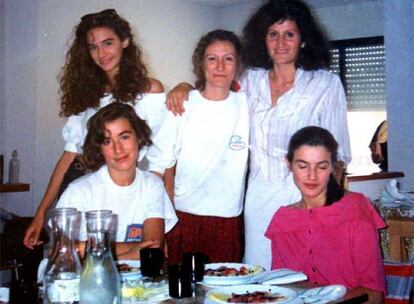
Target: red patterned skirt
{"points": [[219, 238]]}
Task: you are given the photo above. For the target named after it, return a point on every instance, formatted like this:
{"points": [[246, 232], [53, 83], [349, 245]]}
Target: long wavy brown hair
{"points": [[83, 83]]}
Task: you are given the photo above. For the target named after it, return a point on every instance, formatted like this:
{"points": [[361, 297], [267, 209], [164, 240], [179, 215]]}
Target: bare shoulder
{"points": [[155, 86]]}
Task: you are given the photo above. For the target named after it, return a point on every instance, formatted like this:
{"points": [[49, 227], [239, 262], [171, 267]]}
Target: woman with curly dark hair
{"points": [[103, 65], [288, 87]]}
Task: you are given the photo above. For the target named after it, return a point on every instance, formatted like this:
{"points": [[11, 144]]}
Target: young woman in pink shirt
{"points": [[331, 235]]}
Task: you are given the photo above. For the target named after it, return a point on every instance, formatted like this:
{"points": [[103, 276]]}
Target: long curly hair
{"points": [[83, 83], [316, 136], [315, 52], [92, 156], [200, 50]]}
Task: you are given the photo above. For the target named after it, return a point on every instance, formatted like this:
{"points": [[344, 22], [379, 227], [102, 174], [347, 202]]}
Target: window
{"points": [[360, 63]]}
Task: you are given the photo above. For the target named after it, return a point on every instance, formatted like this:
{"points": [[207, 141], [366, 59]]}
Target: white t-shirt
{"points": [[209, 143], [151, 108], [144, 198]]}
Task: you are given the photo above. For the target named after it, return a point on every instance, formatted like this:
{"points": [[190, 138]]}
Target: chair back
{"points": [[400, 282]]}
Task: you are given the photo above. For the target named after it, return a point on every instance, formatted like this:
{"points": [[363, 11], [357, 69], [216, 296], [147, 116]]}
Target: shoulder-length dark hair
{"points": [[200, 50], [96, 131], [317, 136], [315, 52], [83, 83]]}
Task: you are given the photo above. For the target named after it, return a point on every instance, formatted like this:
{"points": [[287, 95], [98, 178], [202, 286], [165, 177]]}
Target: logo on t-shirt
{"points": [[134, 233], [236, 143]]}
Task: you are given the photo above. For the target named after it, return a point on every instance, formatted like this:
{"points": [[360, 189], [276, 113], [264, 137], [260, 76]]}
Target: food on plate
{"points": [[123, 267], [224, 271], [256, 297]]}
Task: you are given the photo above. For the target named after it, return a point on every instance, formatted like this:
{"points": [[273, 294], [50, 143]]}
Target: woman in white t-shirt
{"points": [[208, 145], [138, 199], [103, 65]]}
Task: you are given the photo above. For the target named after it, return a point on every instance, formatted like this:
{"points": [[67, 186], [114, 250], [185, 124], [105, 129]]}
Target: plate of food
{"points": [[143, 292], [252, 294], [230, 273], [129, 269]]}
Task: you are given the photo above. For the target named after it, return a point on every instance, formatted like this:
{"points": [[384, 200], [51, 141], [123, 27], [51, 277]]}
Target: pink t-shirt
{"points": [[337, 244]]}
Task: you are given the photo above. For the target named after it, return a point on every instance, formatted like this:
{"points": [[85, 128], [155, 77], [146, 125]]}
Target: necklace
{"points": [[281, 86]]}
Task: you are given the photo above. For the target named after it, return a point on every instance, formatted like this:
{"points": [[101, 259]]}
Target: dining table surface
{"points": [[352, 296]]}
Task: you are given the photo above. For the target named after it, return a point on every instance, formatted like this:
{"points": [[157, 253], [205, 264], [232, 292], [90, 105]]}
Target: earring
{"points": [[303, 45]]}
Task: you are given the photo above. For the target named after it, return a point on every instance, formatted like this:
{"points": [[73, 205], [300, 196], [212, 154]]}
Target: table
{"points": [[353, 296]]}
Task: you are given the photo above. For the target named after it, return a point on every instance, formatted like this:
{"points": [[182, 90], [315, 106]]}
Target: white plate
{"points": [[324, 294], [231, 280], [222, 294], [130, 275]]}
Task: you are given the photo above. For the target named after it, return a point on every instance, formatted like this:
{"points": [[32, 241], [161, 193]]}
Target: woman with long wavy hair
{"points": [[103, 65]]}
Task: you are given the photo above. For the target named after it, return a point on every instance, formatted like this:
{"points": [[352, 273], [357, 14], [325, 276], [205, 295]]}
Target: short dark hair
{"points": [[200, 50], [316, 136], [315, 53], [96, 131]]}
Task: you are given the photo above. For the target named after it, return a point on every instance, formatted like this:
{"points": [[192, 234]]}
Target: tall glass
{"points": [[61, 279], [100, 281]]}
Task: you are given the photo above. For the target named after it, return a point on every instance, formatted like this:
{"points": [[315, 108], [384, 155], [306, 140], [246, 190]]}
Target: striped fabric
{"points": [[400, 282]]}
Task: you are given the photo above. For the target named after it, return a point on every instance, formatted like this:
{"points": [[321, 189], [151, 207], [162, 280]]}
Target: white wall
{"points": [[399, 43], [234, 17], [363, 19], [2, 125], [19, 94]]}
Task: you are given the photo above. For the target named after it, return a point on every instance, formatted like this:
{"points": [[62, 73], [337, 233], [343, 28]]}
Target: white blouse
{"points": [[316, 98], [151, 108]]}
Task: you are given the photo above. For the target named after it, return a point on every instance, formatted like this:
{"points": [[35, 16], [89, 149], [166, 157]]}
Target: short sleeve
{"points": [[163, 152], [72, 134], [152, 109], [366, 252], [271, 234], [158, 204], [73, 197]]}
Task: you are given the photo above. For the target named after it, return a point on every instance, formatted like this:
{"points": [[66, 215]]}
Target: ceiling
{"points": [[312, 3]]}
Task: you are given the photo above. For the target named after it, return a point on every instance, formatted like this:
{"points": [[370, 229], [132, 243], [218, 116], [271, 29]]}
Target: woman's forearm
{"points": [[55, 181], [31, 237]]}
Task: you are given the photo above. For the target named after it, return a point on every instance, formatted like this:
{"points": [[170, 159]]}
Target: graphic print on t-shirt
{"points": [[236, 143], [134, 233]]}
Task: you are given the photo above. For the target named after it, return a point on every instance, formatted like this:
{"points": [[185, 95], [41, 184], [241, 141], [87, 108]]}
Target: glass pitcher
{"points": [[62, 273], [100, 281]]}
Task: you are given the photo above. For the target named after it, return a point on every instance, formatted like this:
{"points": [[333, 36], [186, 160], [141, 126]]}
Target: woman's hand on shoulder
{"points": [[177, 96], [156, 86]]}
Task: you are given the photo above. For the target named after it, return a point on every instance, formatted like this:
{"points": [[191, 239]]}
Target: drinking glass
{"points": [[179, 281], [195, 262], [152, 260]]}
